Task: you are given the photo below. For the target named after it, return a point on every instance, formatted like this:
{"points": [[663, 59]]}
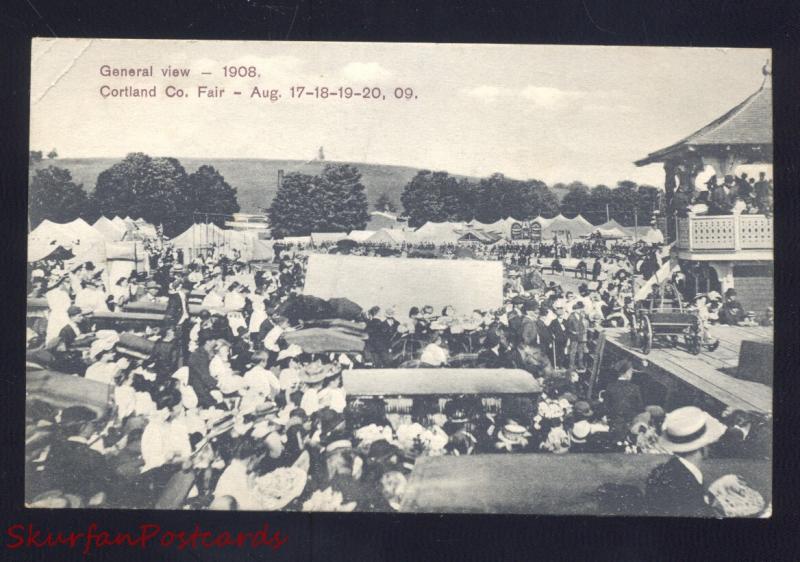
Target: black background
{"points": [[413, 537]]}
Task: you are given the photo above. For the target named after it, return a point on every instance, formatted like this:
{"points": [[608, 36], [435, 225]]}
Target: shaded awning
{"points": [[438, 382]]}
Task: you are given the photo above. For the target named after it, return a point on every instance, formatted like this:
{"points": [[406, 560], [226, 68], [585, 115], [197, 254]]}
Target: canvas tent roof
{"points": [[406, 282], [440, 232], [360, 235], [611, 232], [387, 236], [478, 235], [438, 382], [323, 237], [562, 223], [564, 484], [296, 240], [612, 224], [109, 229]]}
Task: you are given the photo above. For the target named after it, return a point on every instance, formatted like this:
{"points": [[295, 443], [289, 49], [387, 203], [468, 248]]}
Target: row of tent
{"points": [[204, 238], [475, 231], [122, 239], [89, 242]]}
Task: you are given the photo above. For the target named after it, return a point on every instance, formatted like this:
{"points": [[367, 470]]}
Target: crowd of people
{"points": [[262, 424], [734, 195]]}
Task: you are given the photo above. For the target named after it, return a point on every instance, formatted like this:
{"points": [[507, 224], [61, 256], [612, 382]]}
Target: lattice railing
{"points": [[755, 231], [725, 233]]}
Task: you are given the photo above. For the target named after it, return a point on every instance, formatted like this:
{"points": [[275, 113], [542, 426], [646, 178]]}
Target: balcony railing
{"points": [[725, 233]]}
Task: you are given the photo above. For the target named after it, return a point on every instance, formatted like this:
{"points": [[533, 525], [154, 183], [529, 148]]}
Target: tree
{"points": [[208, 192], [35, 157], [155, 189], [500, 197], [52, 154], [384, 203], [334, 201], [438, 197], [576, 201], [54, 196]]}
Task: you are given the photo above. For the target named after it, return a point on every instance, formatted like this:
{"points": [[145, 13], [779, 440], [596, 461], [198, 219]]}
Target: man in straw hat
{"points": [[675, 488]]}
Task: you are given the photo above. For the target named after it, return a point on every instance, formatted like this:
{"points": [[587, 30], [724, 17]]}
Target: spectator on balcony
{"points": [[723, 198], [763, 194], [731, 312]]}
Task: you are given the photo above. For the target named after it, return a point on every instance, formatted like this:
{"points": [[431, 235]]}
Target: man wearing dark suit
{"points": [[731, 312], [493, 355], [200, 378], [597, 268], [558, 329], [676, 487], [622, 400], [578, 331], [527, 327], [723, 198], [177, 314], [543, 333]]}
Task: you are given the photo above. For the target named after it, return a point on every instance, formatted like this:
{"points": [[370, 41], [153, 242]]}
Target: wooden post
{"points": [[596, 360]]}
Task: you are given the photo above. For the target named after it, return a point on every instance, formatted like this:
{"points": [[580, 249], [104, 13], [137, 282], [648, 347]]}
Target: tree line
{"points": [[159, 190]]}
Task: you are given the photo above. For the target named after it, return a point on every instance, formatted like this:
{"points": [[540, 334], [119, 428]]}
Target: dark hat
{"points": [[381, 450], [74, 310], [578, 305], [329, 420], [583, 408], [76, 415], [730, 292]]}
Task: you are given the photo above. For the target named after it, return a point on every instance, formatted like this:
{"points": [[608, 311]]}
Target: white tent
{"points": [[119, 222], [611, 233], [439, 232], [297, 240], [110, 230], [388, 236], [83, 231], [202, 238], [50, 232], [327, 237], [360, 235], [582, 221]]}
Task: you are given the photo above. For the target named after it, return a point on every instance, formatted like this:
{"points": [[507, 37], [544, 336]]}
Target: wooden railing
{"points": [[725, 233]]}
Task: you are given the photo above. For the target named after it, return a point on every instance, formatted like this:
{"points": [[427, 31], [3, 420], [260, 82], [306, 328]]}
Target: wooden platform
{"points": [[709, 372]]}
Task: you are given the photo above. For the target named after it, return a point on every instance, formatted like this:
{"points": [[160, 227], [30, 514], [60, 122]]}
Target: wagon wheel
{"points": [[646, 335]]}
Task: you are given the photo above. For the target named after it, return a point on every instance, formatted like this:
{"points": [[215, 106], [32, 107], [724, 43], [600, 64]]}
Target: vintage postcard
{"points": [[400, 277]]}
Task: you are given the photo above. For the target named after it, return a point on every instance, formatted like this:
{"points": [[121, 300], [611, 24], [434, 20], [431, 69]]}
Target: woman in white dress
{"points": [[58, 301]]}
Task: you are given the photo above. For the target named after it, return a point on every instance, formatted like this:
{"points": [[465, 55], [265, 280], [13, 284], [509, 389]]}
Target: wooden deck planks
{"points": [[705, 371]]}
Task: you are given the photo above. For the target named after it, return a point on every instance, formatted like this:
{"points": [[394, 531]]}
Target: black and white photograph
{"points": [[400, 277]]}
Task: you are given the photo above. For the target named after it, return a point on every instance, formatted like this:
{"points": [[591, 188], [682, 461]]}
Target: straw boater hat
{"points": [[580, 431], [513, 434], [689, 429]]}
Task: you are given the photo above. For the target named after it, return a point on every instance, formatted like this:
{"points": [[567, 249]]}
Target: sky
{"points": [[554, 113]]}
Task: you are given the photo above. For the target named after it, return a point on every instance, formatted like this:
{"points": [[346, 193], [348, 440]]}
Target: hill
{"points": [[256, 180]]}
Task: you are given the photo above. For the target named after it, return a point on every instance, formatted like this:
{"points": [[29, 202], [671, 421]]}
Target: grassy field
{"points": [[256, 179]]}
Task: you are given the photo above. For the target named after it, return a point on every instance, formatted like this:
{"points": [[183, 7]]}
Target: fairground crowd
{"points": [[217, 392]]}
